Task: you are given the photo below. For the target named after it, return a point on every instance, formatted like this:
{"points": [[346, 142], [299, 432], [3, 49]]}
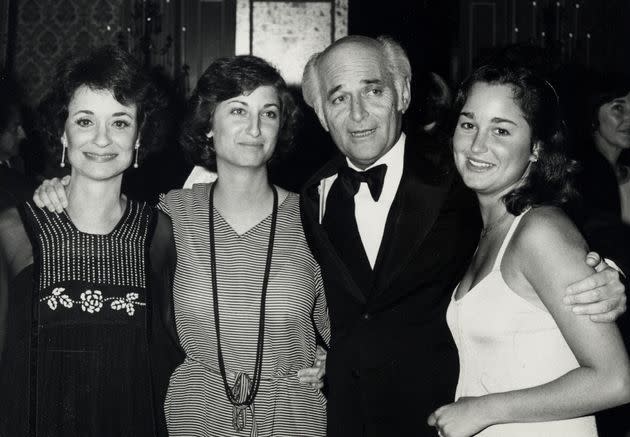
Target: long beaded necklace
{"points": [[249, 399]]}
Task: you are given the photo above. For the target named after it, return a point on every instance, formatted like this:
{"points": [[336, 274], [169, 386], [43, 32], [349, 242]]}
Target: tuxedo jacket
{"points": [[392, 359]]}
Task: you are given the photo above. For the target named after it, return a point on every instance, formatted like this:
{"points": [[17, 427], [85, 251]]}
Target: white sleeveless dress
{"points": [[506, 343]]}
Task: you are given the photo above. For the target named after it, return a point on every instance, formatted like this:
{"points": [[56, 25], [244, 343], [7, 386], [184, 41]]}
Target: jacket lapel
{"points": [[310, 211], [418, 201]]}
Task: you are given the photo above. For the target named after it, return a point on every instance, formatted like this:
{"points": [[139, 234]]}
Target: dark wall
{"points": [[427, 29], [47, 30]]}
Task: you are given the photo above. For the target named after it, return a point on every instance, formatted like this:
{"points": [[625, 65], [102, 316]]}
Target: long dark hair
{"points": [[549, 180]]}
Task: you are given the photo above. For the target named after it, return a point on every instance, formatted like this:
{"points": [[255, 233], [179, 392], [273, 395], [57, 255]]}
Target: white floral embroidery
{"points": [[57, 297], [52, 303], [91, 301], [126, 303]]}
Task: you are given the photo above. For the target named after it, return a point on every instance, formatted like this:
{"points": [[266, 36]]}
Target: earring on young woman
{"points": [[533, 157]]}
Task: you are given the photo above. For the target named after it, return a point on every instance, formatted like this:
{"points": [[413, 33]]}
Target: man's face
{"points": [[361, 106]]}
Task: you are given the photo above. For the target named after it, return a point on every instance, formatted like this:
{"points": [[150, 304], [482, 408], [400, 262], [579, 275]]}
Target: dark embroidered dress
{"points": [[79, 366]]}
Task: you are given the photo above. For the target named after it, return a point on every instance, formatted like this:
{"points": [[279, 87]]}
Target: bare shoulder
{"points": [[548, 228], [548, 248]]}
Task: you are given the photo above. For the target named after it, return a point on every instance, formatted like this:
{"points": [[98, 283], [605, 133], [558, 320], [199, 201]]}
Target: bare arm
{"points": [[550, 254]]}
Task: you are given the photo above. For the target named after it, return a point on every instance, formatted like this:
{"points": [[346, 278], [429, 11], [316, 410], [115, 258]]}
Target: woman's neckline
{"points": [[118, 224], [260, 223]]}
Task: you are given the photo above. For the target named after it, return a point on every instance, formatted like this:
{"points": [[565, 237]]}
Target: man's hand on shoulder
{"points": [[51, 194], [602, 296]]}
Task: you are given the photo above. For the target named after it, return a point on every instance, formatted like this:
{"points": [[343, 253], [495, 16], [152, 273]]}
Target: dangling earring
{"points": [[63, 153], [533, 157], [135, 162]]}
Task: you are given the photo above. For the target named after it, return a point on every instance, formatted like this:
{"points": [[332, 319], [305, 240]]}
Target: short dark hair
{"points": [[605, 87], [105, 68], [550, 180], [224, 79]]}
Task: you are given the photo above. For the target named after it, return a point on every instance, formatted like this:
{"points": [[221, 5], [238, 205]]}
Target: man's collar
{"points": [[393, 157]]}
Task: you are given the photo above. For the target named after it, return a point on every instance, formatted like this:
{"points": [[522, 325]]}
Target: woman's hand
{"points": [[463, 418], [51, 194], [314, 375]]}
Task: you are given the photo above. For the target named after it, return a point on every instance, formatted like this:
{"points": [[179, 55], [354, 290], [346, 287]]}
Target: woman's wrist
{"points": [[493, 409]]}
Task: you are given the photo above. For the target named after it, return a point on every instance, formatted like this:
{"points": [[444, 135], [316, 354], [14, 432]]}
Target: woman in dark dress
{"points": [[77, 357]]}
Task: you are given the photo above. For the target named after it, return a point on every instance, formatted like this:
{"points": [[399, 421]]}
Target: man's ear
{"points": [[403, 89], [319, 110]]}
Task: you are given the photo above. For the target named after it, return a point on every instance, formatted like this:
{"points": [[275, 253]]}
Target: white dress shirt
{"points": [[371, 215]]}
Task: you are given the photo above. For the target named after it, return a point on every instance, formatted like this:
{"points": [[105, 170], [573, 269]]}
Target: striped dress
{"points": [[196, 402]]}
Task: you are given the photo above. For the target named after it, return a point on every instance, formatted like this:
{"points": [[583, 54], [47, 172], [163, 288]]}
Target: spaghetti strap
{"points": [[506, 240]]}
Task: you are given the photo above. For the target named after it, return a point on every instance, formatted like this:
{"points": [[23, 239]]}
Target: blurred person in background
{"points": [[15, 187], [602, 129]]}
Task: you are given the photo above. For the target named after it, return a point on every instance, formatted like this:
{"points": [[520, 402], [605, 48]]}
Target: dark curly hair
{"points": [[551, 179], [105, 68], [224, 79]]}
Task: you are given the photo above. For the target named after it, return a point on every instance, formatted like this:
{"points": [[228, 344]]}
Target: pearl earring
{"points": [[135, 163], [63, 154]]}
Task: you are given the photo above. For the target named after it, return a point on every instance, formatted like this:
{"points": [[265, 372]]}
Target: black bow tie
{"points": [[374, 177]]}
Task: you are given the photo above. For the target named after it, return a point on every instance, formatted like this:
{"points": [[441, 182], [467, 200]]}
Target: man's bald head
{"points": [[360, 88], [394, 60]]}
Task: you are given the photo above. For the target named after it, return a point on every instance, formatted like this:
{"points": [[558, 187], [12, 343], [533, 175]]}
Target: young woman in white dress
{"points": [[529, 366]]}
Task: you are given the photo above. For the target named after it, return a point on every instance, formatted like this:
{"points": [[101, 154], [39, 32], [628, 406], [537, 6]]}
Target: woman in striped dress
{"points": [[248, 296]]}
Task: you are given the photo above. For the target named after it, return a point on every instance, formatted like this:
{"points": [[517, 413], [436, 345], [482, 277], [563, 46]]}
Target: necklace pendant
{"points": [[239, 417], [241, 390]]}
